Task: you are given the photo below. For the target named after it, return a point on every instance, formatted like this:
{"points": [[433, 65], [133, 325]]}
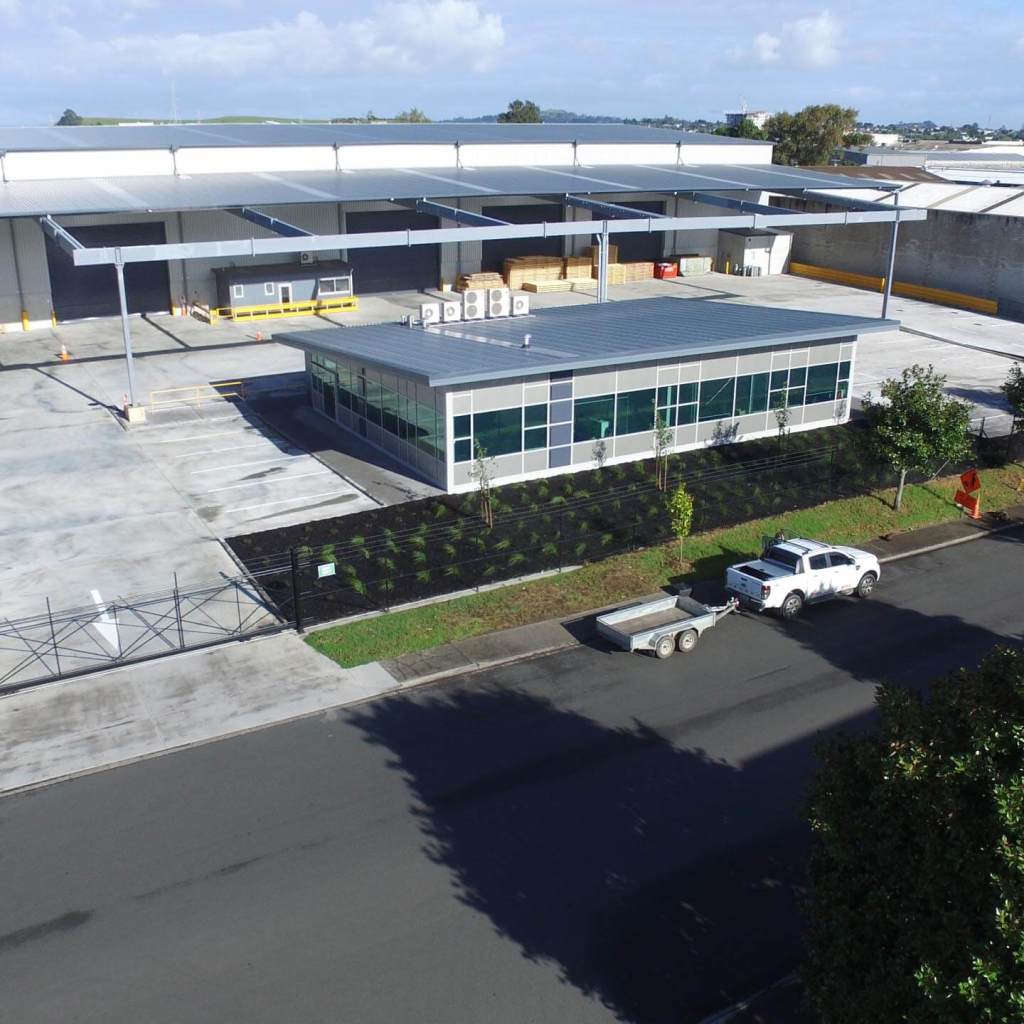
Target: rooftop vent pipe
{"points": [[526, 341]]}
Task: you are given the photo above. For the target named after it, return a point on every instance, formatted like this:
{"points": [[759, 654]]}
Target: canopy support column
{"points": [[887, 285], [135, 414]]}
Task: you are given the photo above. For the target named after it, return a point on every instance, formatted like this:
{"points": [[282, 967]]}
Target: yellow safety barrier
{"points": [[277, 310], [196, 393], [940, 296]]}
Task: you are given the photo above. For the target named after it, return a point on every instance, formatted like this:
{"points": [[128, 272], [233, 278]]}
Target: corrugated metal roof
{"points": [[39, 139], [579, 337], [216, 191]]}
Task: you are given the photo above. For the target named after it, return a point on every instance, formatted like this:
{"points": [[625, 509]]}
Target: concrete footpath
{"points": [[63, 729]]}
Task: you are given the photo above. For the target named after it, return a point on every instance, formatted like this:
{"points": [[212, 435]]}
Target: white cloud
{"points": [[766, 47], [811, 42], [9, 8], [406, 36], [815, 40]]}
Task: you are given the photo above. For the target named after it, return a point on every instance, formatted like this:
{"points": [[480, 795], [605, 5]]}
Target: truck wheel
{"points": [[665, 647], [866, 586], [687, 640], [792, 606]]}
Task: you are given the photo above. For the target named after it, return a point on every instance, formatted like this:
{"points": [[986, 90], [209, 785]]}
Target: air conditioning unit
{"points": [[520, 305], [498, 303], [451, 312], [473, 304], [430, 312], [307, 258]]}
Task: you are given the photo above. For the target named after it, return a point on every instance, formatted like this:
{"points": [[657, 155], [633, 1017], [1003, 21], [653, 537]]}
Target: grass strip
{"points": [[622, 577]]}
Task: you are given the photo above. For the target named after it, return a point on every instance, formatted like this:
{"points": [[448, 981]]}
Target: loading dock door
{"points": [[497, 250], [397, 267], [641, 245], [80, 292]]}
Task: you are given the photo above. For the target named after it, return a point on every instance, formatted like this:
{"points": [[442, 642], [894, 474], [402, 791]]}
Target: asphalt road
{"points": [[586, 837]]}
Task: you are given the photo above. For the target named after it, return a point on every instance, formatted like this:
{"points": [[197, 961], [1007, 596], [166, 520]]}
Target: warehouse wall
{"points": [[977, 254]]}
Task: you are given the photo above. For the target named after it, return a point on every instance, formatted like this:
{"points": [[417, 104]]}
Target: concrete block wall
{"points": [[980, 254]]}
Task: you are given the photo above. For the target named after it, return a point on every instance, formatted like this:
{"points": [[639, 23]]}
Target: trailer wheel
{"points": [[866, 585], [687, 640], [665, 647], [792, 606]]}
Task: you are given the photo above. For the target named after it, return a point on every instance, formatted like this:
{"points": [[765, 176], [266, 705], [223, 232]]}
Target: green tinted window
{"points": [[462, 451], [798, 375], [535, 437], [716, 398], [821, 383], [780, 378], [499, 433], [844, 370], [686, 414], [461, 426], [634, 411], [751, 394], [687, 393], [593, 418], [535, 415]]}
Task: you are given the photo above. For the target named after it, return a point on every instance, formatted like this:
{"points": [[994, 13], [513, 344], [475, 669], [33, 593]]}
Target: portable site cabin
{"points": [[283, 284]]}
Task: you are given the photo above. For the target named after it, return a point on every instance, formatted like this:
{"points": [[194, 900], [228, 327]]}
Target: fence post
{"points": [[53, 637], [177, 613], [296, 594], [561, 540]]}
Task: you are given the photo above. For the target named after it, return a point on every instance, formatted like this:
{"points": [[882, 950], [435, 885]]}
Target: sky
{"points": [[906, 60]]}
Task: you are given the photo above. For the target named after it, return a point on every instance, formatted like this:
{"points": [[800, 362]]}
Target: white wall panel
{"points": [[360, 157], [256, 158], [503, 154], [595, 154], [87, 164], [726, 154]]}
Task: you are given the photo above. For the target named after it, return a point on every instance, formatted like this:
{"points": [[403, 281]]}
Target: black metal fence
{"points": [[61, 644]]}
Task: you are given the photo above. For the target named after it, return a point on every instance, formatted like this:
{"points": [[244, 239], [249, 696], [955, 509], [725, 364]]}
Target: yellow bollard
{"points": [[24, 319]]}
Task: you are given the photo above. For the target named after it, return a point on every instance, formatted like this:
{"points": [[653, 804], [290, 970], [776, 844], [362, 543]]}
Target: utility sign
{"points": [[325, 569], [970, 502], [970, 481]]}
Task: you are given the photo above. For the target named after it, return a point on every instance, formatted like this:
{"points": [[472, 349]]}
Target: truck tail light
{"points": [[765, 590]]}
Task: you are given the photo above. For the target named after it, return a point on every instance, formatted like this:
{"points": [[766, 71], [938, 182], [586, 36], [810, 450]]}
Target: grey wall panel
{"points": [[589, 385], [635, 444], [755, 362], [535, 461], [639, 377]]}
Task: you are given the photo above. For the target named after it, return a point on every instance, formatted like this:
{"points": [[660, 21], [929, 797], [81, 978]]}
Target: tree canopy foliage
{"points": [[812, 135], [521, 112], [412, 116], [746, 129], [69, 117], [915, 425], [916, 900]]}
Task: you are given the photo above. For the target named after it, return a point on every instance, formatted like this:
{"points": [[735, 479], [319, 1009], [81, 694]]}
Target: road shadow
{"points": [[657, 880]]}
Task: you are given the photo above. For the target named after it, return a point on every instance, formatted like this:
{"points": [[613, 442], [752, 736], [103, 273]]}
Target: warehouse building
{"points": [[580, 386], [181, 206]]}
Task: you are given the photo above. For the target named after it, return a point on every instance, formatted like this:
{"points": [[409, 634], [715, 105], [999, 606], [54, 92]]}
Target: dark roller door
{"points": [[640, 245], [80, 292], [395, 268], [497, 250]]}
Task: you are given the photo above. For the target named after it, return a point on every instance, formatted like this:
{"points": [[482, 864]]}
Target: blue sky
{"points": [[957, 62]]}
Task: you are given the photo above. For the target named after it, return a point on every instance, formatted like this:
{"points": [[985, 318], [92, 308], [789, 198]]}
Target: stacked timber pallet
{"points": [[638, 271], [592, 251], [485, 279], [519, 269], [577, 267]]}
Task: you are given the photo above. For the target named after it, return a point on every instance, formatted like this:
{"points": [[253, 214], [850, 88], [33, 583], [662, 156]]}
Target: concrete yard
{"points": [[91, 510]]}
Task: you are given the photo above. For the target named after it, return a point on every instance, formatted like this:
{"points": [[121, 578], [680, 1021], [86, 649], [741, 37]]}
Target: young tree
{"points": [[680, 513], [662, 443], [812, 135], [915, 425], [1013, 388], [482, 473], [521, 111], [783, 415], [916, 901]]}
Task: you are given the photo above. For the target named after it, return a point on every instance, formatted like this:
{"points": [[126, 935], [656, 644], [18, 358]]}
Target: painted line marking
{"points": [[200, 437], [106, 626], [241, 465], [284, 501], [215, 451], [257, 483]]}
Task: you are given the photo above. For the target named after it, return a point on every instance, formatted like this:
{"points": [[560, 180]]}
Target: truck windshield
{"points": [[782, 556]]}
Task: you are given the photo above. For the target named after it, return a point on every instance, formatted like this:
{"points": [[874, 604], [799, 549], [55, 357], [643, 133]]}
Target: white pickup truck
{"points": [[792, 573]]}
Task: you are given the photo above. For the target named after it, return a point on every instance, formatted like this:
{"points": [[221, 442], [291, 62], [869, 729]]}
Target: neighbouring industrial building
{"points": [[580, 386], [190, 209]]}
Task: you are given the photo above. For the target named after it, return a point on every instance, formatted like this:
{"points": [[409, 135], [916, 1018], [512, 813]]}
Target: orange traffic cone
{"points": [[65, 355]]}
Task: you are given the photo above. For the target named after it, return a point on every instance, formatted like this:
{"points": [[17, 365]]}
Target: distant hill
{"points": [[552, 116]]}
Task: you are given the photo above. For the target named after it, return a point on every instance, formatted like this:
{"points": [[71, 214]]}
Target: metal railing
{"points": [[62, 644], [196, 394], [276, 310]]}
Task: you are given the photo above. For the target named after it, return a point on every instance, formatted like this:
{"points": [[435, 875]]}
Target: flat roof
{"points": [[578, 337], [159, 193], [190, 136]]}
